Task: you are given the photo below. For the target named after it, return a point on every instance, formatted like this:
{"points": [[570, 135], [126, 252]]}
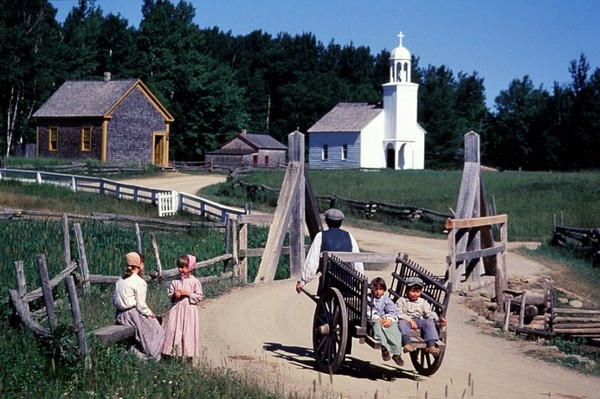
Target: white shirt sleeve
{"points": [[358, 266], [311, 264]]}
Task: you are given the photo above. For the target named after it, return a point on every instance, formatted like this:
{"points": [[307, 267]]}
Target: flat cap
{"points": [[334, 214], [412, 281]]}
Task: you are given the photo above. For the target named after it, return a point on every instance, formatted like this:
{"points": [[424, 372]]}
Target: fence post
{"points": [[38, 177], [21, 284], [138, 238], [66, 241], [77, 322], [47, 291], [83, 265], [156, 254]]}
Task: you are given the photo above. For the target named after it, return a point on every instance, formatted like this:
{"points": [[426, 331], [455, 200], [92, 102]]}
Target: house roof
{"points": [[347, 117], [77, 98], [231, 151], [261, 141]]}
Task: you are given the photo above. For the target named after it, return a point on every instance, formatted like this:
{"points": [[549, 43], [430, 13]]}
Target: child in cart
{"points": [[415, 313], [384, 315]]}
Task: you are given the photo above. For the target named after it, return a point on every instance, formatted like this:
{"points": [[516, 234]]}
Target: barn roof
{"points": [[261, 141], [347, 117], [231, 151], [78, 98]]}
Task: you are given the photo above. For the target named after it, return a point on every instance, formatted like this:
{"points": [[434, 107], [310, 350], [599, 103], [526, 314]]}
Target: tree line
{"points": [[215, 84]]}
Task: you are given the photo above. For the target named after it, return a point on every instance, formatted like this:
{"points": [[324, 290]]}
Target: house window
{"points": [[86, 138], [255, 159], [344, 152], [325, 153], [53, 139], [266, 160]]}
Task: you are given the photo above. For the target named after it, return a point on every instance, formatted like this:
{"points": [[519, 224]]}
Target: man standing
{"points": [[334, 239]]}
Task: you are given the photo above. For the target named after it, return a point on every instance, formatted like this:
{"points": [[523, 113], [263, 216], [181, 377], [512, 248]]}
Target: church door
{"points": [[390, 158]]}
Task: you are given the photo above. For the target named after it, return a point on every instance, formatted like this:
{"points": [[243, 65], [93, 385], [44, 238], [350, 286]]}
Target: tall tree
{"points": [[29, 35], [207, 104], [517, 130]]}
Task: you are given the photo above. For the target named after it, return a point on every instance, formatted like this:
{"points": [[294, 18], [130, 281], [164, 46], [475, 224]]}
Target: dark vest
{"points": [[336, 240]]}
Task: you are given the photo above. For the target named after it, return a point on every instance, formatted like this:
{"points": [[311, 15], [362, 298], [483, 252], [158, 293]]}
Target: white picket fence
{"points": [[168, 203]]}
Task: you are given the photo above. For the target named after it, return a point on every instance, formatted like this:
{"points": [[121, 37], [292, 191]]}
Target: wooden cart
{"points": [[342, 304]]}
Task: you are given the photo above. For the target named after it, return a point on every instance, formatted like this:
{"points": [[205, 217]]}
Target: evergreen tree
{"points": [[29, 36]]}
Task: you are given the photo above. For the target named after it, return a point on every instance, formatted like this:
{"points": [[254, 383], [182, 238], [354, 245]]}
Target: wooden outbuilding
{"points": [[249, 150], [107, 120]]}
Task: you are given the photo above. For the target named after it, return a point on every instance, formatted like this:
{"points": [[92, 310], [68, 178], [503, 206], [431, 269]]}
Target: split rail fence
{"points": [[43, 321]]}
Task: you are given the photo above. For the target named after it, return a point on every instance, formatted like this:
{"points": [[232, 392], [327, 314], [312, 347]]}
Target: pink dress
{"points": [[182, 327]]}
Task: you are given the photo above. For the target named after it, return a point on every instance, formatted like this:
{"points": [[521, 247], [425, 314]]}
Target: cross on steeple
{"points": [[400, 36]]}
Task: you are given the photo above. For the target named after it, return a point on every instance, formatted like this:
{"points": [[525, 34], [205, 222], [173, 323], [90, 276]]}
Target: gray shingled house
{"points": [[258, 150], [110, 120]]}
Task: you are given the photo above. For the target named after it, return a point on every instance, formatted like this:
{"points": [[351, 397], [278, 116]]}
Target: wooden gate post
{"points": [[296, 154]]}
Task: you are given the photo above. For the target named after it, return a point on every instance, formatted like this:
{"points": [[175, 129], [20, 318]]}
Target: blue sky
{"points": [[500, 40]]}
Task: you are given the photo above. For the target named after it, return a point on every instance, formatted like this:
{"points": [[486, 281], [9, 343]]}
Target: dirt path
{"points": [[264, 332]]}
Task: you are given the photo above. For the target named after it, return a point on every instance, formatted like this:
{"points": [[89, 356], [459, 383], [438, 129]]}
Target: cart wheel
{"points": [[425, 363], [330, 331]]}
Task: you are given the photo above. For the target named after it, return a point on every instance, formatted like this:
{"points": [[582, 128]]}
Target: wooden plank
{"points": [[575, 311], [37, 293], [255, 219], [256, 252], [365, 257], [114, 333], [476, 222], [477, 254], [283, 212]]}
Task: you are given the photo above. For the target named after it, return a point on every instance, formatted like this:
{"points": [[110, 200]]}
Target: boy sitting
{"points": [[415, 313]]}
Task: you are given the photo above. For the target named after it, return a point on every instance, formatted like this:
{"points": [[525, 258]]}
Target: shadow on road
{"points": [[352, 367]]}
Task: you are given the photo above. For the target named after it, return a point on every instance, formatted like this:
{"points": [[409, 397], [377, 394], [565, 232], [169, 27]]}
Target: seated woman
{"points": [[129, 300]]}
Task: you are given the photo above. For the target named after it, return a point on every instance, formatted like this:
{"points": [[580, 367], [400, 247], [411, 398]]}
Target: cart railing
{"points": [[352, 285], [436, 290]]}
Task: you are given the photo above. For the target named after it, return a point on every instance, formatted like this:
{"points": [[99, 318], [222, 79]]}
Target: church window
{"points": [[344, 152], [325, 153]]}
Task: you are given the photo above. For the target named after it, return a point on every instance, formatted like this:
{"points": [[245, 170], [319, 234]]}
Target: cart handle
{"points": [[315, 298]]}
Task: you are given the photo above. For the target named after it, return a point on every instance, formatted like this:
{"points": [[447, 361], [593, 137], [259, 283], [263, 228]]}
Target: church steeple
{"points": [[400, 63]]}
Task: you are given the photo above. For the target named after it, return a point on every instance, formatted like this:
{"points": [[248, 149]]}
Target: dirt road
{"points": [[263, 331]]}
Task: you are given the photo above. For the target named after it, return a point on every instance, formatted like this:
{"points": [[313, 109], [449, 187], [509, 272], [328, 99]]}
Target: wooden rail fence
{"points": [[77, 272], [186, 202]]}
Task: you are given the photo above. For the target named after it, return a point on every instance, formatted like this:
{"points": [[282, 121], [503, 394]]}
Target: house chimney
{"points": [[244, 131], [107, 76]]}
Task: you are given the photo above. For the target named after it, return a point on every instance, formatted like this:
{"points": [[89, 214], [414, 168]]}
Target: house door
{"points": [[159, 156], [390, 157]]}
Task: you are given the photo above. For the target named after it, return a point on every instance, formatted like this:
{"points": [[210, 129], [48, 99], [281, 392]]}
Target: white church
{"points": [[373, 136]]}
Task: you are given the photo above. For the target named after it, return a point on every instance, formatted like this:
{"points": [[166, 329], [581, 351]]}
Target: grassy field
{"points": [[530, 199], [50, 368]]}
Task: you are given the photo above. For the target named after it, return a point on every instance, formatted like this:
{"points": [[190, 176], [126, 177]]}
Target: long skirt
{"points": [[182, 330], [148, 333], [389, 337]]}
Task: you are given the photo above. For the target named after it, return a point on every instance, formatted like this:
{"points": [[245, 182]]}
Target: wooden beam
{"points": [[476, 222], [482, 253], [277, 232]]}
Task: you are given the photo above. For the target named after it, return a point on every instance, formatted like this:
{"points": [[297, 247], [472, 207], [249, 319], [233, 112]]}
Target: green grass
{"points": [[50, 368], [530, 199]]}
